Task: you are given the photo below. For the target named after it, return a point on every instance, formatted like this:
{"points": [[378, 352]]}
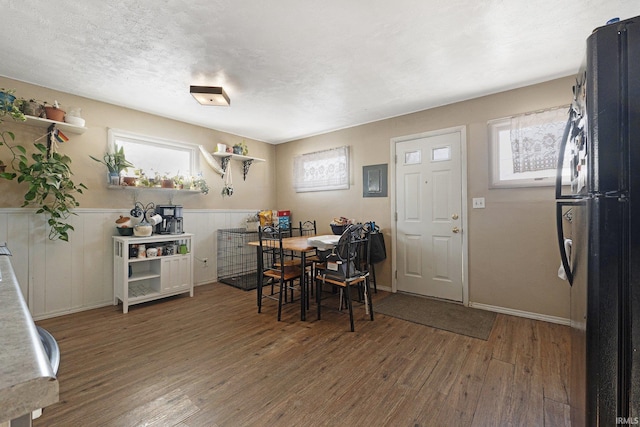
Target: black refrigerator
{"points": [[599, 228]]}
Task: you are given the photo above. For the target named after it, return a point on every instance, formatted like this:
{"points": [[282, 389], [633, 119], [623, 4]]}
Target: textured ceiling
{"points": [[295, 68]]}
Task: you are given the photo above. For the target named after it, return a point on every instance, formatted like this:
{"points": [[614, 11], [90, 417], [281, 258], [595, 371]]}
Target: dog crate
{"points": [[237, 261]]}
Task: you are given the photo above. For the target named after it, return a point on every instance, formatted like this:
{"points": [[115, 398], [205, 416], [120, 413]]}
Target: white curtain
{"points": [[322, 170], [535, 139]]}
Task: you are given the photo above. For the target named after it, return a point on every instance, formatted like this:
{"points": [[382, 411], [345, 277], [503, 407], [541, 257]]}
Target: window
{"points": [[155, 155], [322, 170], [524, 149]]}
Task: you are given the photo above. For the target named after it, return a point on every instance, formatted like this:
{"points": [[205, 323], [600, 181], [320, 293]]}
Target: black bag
{"points": [[378, 250]]}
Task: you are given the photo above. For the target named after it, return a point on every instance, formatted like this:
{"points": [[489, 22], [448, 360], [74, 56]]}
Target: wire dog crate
{"points": [[237, 261]]}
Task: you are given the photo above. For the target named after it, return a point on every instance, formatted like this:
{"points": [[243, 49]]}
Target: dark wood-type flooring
{"points": [[212, 360]]}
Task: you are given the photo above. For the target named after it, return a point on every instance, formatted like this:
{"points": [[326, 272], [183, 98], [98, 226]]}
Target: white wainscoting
{"points": [[58, 277]]}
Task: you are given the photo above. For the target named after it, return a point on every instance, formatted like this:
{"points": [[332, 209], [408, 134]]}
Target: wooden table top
{"points": [[298, 244]]}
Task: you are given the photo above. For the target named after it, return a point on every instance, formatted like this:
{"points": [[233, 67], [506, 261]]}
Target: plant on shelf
{"points": [[31, 107], [199, 184], [46, 173], [241, 148], [178, 181], [115, 162]]}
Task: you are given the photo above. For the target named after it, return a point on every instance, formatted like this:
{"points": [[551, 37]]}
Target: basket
{"points": [[337, 229]]}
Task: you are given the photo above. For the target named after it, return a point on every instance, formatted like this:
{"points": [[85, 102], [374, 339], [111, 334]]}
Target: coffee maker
{"points": [[171, 219]]}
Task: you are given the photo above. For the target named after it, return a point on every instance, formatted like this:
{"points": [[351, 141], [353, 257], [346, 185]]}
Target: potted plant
{"points": [[241, 148], [32, 107], [199, 184], [47, 174], [115, 163], [54, 112], [166, 182]]}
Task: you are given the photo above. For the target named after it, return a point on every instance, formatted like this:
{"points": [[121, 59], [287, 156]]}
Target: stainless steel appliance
{"points": [[172, 221], [603, 266]]}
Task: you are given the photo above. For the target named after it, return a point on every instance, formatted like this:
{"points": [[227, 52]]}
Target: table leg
{"points": [[259, 275], [303, 286]]}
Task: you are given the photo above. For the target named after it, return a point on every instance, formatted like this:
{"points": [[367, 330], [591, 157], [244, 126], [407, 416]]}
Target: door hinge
{"points": [[395, 216], [396, 274]]}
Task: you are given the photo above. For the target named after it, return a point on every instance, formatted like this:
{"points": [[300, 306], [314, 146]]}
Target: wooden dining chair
{"points": [[344, 269], [275, 269]]}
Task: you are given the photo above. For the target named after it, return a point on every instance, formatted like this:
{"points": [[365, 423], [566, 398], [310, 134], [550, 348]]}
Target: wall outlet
{"points": [[478, 203]]}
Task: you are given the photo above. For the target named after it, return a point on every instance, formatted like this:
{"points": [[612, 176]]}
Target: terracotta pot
{"points": [[129, 180], [54, 113], [167, 183]]}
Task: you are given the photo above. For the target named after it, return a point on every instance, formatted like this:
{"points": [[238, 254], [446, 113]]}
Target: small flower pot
{"points": [[167, 183], [54, 113], [129, 181]]}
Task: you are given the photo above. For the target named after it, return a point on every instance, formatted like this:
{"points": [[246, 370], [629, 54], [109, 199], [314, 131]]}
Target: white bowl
{"points": [[77, 121], [143, 230]]}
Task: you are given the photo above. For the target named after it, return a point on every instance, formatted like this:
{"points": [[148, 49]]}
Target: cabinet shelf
{"points": [[246, 161], [143, 276], [45, 123]]}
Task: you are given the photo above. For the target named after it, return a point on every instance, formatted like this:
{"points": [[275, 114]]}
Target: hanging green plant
{"points": [[47, 175]]}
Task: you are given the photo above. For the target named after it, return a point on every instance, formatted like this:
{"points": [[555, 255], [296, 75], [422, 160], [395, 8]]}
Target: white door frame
{"points": [[465, 223]]}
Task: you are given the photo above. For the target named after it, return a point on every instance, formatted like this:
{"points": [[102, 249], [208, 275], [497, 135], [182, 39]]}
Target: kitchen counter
{"points": [[27, 381]]}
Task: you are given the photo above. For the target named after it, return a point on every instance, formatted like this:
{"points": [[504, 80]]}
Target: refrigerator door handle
{"points": [[563, 148], [564, 257]]}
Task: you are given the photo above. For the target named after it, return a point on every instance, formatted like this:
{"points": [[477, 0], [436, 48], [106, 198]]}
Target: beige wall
{"points": [[256, 192], [513, 256]]}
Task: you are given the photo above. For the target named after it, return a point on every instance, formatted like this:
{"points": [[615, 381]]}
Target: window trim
{"points": [[494, 127], [114, 134]]}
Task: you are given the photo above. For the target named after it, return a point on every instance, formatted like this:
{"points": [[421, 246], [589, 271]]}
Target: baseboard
{"points": [[71, 311], [520, 313]]}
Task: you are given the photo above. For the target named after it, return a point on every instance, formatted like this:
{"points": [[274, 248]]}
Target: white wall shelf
{"points": [[246, 161], [136, 188], [45, 123]]}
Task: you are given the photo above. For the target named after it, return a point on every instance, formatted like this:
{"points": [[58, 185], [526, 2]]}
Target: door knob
{"points": [[454, 216], [455, 229]]}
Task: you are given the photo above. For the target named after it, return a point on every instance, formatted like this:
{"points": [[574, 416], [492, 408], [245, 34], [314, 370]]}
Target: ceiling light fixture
{"points": [[210, 95]]}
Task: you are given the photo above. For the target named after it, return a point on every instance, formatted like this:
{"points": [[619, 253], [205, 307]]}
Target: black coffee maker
{"points": [[171, 219]]}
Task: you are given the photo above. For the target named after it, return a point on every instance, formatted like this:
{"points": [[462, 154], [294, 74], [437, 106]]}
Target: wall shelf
{"points": [[246, 161], [45, 123], [135, 188]]}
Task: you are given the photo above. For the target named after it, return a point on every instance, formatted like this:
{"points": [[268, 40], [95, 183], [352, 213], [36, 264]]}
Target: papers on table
{"points": [[324, 242]]}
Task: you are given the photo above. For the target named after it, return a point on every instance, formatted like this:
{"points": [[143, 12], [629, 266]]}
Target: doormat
{"points": [[438, 314]]}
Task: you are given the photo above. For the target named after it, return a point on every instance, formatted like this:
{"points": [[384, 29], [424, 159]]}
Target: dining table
{"points": [[301, 245]]}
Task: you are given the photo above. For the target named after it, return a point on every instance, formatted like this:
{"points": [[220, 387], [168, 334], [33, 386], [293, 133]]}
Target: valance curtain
{"points": [[535, 139], [322, 170]]}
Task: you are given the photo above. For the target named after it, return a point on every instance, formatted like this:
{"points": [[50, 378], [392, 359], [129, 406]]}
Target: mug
{"points": [[152, 252]]}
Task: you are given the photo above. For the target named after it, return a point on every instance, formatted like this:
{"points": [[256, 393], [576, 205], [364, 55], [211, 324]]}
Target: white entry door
{"points": [[429, 256]]}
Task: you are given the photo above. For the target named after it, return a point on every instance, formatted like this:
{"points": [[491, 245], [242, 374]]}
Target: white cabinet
{"points": [[141, 279]]}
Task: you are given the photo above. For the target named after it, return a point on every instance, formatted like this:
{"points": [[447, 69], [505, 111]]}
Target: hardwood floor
{"points": [[212, 360]]}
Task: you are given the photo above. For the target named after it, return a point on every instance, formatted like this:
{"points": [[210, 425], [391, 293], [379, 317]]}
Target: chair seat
{"points": [[290, 272], [342, 282]]}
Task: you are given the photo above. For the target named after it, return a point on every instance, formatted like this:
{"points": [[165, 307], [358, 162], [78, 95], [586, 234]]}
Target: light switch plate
{"points": [[478, 203]]}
